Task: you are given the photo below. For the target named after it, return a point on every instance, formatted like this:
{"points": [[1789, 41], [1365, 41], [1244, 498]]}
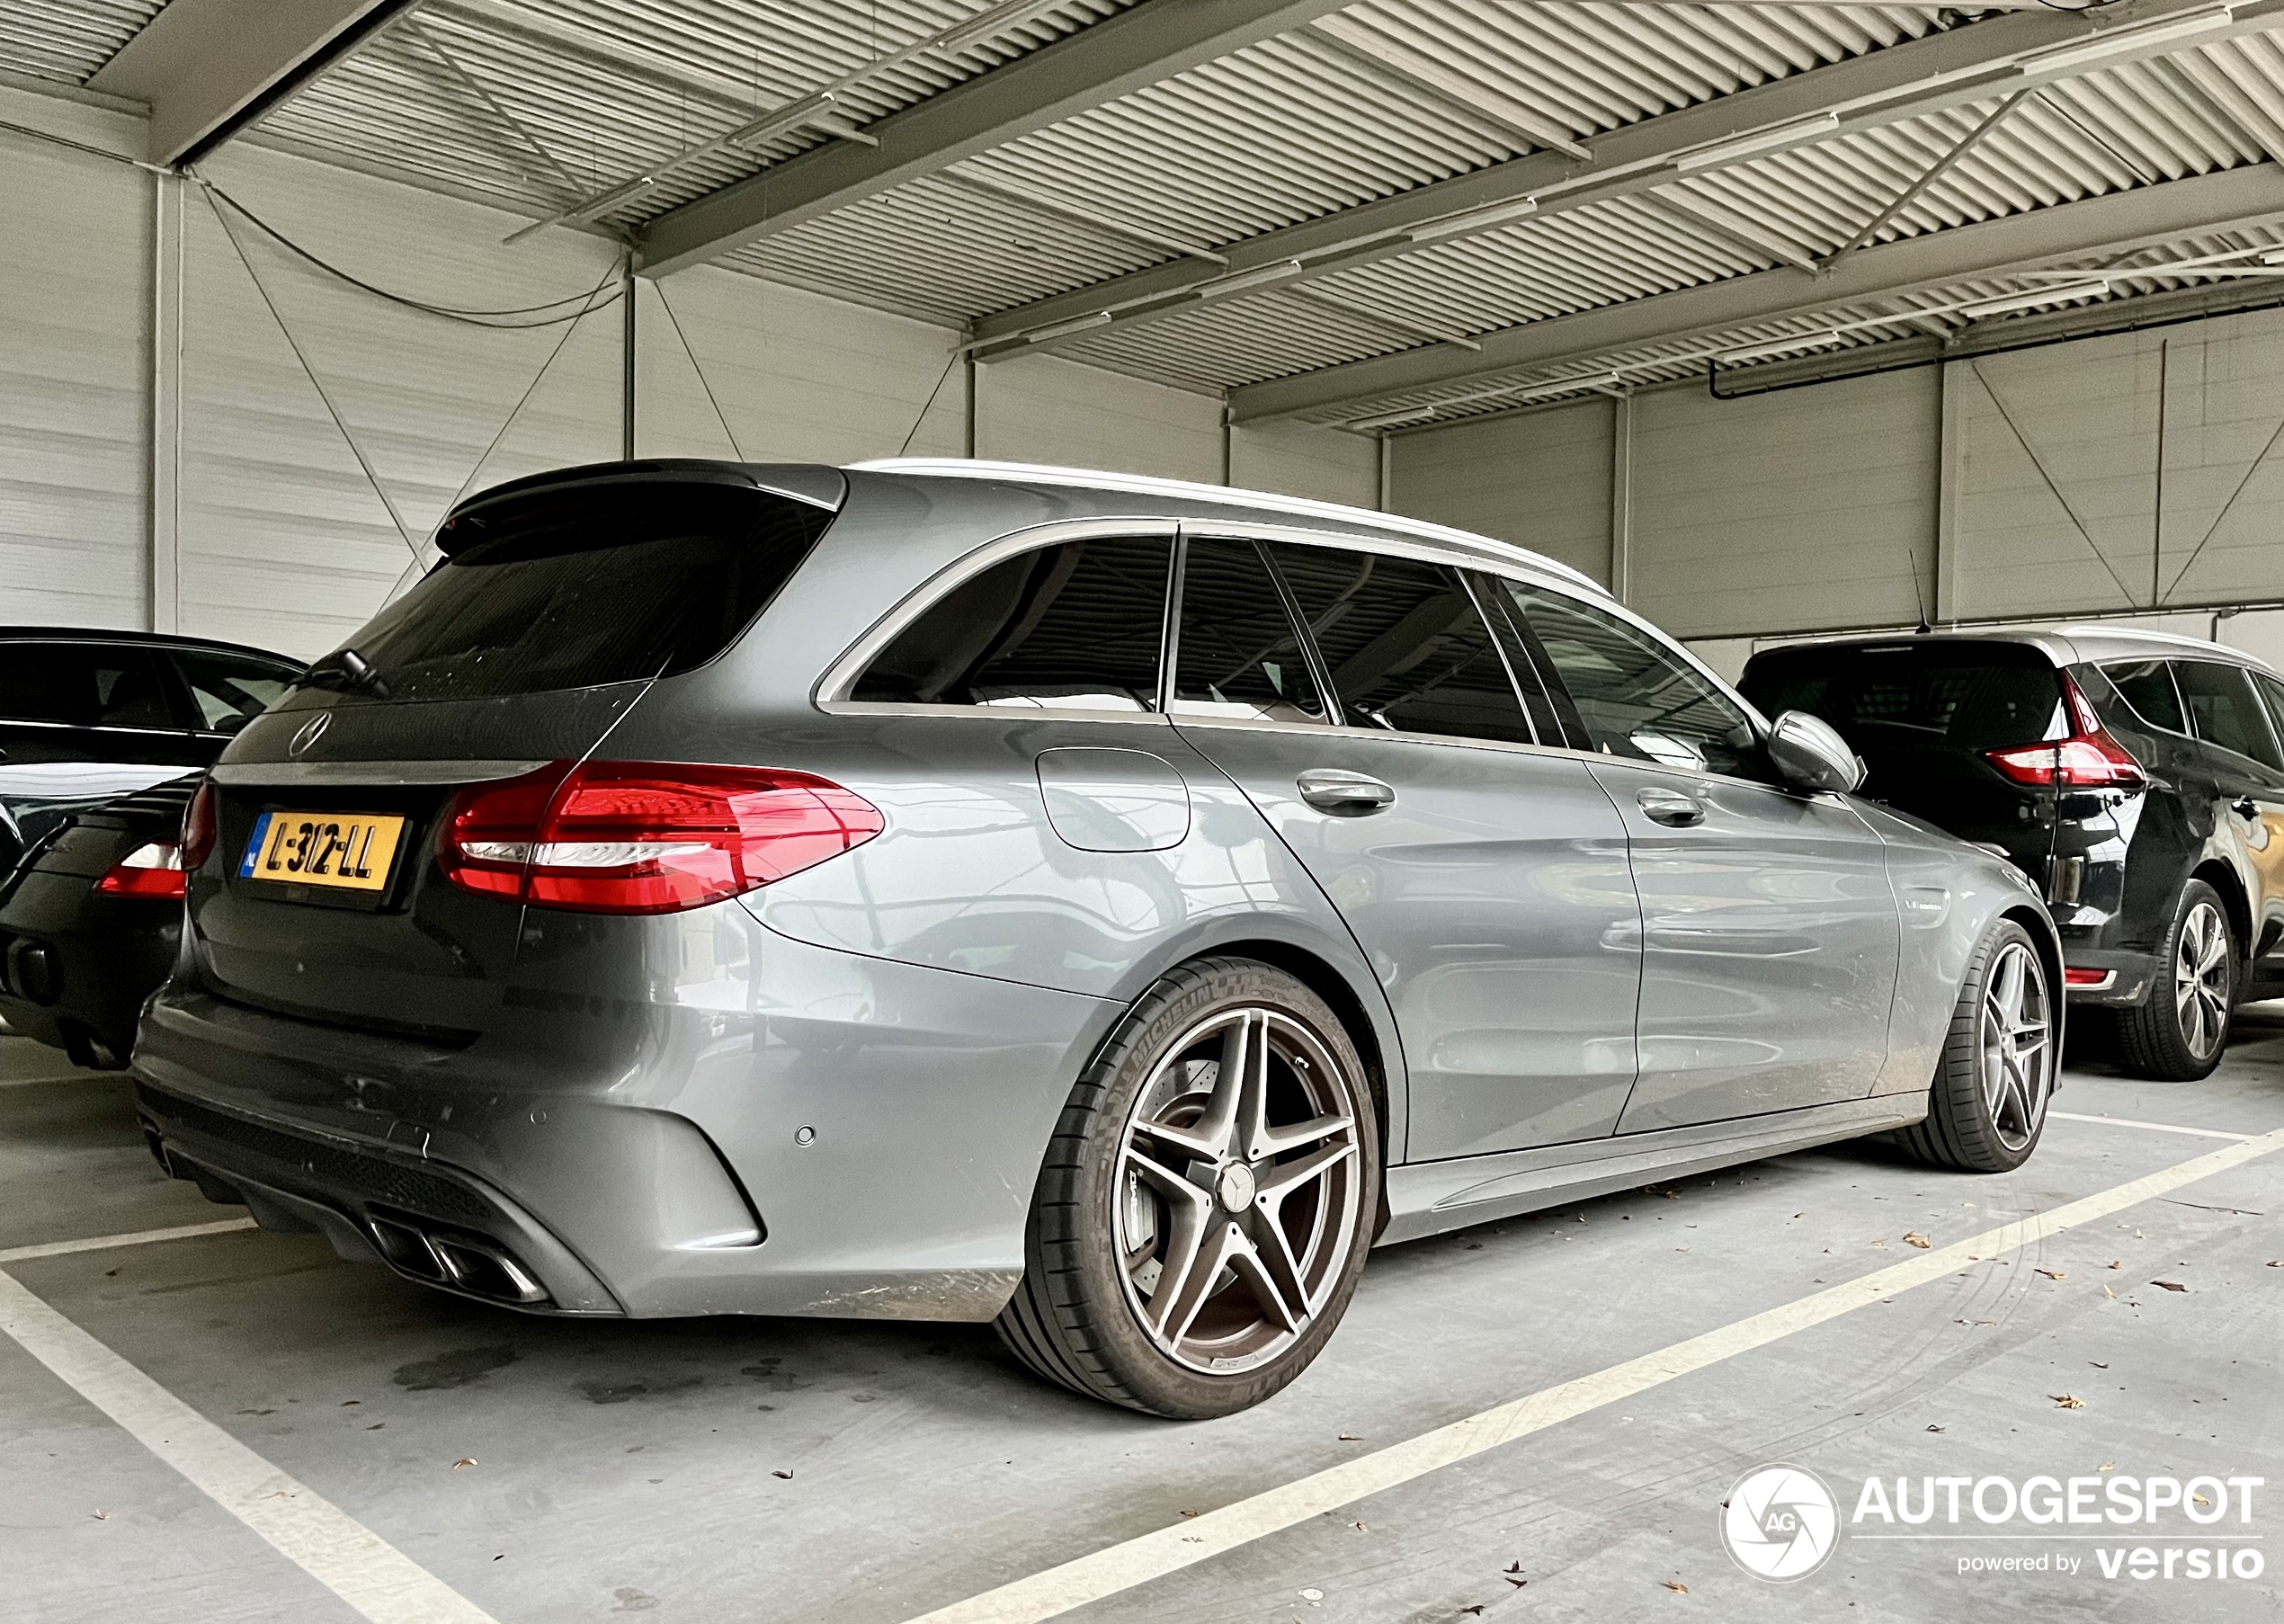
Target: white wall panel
{"points": [[2055, 467], [74, 315], [1042, 408], [1540, 480], [1799, 508], [1296, 460]]}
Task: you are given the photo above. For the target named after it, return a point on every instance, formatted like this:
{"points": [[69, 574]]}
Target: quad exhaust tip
{"points": [[461, 1261]]}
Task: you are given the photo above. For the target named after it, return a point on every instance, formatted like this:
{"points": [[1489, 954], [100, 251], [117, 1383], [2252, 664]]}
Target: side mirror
{"points": [[1811, 753]]}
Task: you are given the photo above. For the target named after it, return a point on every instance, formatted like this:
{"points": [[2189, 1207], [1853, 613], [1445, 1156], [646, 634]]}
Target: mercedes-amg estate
{"points": [[1105, 907]]}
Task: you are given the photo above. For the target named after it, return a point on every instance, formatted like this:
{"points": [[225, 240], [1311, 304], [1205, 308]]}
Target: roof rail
{"points": [[1145, 485]]}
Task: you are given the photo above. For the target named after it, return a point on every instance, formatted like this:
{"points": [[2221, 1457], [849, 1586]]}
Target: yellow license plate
{"points": [[346, 850]]}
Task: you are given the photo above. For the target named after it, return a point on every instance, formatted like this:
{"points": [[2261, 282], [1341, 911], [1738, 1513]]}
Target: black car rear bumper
{"points": [[430, 1223], [76, 966]]}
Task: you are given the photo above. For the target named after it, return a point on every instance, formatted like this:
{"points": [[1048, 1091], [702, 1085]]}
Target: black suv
{"points": [[2138, 778], [103, 735]]}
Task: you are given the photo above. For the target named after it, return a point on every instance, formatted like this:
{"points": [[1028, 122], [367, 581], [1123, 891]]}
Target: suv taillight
{"points": [[645, 837], [2089, 759], [199, 828], [153, 871]]}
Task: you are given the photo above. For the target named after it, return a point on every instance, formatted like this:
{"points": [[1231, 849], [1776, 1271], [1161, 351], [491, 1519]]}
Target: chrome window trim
{"points": [[831, 691]]}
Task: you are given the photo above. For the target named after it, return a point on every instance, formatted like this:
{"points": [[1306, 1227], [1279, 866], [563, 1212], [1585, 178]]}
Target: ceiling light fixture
{"points": [[785, 119], [1243, 280], [1077, 324], [1478, 219], [2031, 301], [1388, 420], [990, 25], [1771, 351], [2118, 41], [1760, 140]]}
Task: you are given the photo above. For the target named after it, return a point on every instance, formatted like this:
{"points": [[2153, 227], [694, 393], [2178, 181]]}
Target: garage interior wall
{"points": [[2012, 489], [275, 535]]}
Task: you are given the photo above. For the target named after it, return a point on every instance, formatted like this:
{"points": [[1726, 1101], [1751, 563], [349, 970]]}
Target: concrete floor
{"points": [[643, 1468]]}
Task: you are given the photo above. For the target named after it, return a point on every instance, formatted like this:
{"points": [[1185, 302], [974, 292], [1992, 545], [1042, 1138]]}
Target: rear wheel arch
{"points": [[2229, 884], [1320, 977], [2048, 940]]}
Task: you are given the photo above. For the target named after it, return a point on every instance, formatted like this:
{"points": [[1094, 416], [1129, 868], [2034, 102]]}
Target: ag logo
{"points": [[1780, 1522]]}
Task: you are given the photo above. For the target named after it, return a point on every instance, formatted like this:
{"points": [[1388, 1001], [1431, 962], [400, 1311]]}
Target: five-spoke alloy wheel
{"points": [[1208, 1199], [1986, 1102], [2018, 1045]]}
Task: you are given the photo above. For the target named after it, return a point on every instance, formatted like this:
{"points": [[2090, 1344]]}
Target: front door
{"points": [[1769, 931], [1483, 875]]}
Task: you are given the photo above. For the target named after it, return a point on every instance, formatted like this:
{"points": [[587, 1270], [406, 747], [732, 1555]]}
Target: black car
{"points": [[88, 716], [2138, 778], [102, 736]]}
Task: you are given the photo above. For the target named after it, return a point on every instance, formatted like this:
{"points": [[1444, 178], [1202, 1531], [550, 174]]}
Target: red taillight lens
{"points": [[646, 837], [2089, 759], [155, 871], [199, 828]]}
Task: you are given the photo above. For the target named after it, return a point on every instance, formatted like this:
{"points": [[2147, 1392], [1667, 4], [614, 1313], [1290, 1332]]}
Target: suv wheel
{"points": [[1986, 1106], [2179, 1031], [1207, 1201]]}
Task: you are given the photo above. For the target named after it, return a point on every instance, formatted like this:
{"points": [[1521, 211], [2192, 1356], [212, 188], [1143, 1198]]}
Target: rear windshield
{"points": [[568, 589], [1973, 696]]}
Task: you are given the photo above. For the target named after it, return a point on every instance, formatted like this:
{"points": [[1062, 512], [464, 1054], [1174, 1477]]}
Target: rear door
{"points": [[1769, 931], [1481, 868], [2244, 769], [554, 613], [2270, 965]]}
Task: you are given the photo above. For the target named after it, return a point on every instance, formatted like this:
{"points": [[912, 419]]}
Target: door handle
{"points": [[1670, 807], [1336, 789], [2245, 805]]}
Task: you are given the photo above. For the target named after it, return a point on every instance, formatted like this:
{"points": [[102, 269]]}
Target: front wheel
{"points": [[2177, 1033], [1207, 1201], [1986, 1106]]}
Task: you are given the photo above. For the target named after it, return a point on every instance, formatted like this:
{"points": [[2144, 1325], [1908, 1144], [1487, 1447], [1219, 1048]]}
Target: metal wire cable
{"points": [[675, 322]]}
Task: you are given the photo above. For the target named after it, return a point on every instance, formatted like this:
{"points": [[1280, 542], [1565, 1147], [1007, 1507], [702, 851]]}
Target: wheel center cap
{"points": [[1234, 1189]]}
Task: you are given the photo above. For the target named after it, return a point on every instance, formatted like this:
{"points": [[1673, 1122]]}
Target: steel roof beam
{"points": [[2118, 223], [1960, 67], [1142, 46], [208, 69]]}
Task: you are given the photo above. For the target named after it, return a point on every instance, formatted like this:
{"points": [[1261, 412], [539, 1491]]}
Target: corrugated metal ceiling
{"points": [[622, 106]]}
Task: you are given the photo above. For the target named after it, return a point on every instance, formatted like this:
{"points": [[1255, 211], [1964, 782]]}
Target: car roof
{"points": [[147, 639], [2090, 642], [1116, 491]]}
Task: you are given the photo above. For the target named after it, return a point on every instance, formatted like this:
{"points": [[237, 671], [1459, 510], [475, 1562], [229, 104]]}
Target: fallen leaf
{"points": [[1312, 1594], [2099, 1364], [1514, 1567], [1912, 1237], [1933, 1428], [1351, 1438], [2050, 1273], [1360, 1528], [463, 1461], [2170, 1285], [2066, 1401], [1188, 1513], [376, 1426], [2115, 1263], [2275, 1262], [105, 1516], [347, 1401], [1676, 1586], [2107, 1465], [2112, 1296], [2200, 1500], [789, 1475]]}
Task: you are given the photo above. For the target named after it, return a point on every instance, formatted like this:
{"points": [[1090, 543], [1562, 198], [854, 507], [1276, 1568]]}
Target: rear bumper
{"points": [[73, 964], [783, 1128]]}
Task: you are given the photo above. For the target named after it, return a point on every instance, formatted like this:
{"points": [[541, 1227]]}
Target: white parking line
{"points": [[140, 1237], [2201, 1133], [1153, 1556], [357, 1565]]}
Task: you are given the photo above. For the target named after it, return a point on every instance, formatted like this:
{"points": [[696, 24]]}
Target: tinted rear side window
{"points": [[1976, 697], [230, 690], [570, 589], [2146, 686], [2227, 712], [1403, 644], [82, 685], [1240, 656], [1074, 628]]}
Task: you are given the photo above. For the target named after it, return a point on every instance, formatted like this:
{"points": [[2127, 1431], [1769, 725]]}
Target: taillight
{"points": [[199, 828], [646, 837], [2072, 975], [157, 870], [2089, 759]]}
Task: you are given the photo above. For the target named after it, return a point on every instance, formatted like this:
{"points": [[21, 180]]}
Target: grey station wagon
{"points": [[1104, 907]]}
